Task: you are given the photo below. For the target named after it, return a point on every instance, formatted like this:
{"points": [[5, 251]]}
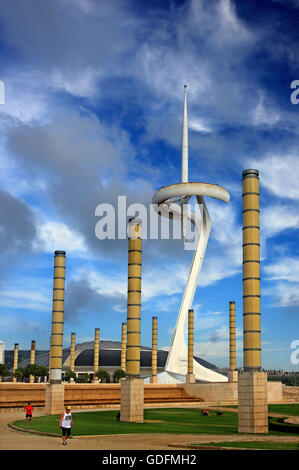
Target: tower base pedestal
{"points": [[233, 375], [154, 379], [190, 379], [54, 403], [132, 400], [253, 402]]}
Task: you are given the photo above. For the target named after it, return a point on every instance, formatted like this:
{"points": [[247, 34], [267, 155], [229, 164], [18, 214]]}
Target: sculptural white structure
{"points": [[166, 201]]}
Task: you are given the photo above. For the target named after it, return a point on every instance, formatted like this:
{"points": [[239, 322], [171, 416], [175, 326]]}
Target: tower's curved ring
{"points": [[188, 190]]}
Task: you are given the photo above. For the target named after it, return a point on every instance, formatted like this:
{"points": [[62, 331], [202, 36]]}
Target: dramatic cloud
{"points": [[17, 225]]}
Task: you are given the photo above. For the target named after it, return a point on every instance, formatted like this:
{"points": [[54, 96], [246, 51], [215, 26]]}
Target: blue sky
{"points": [[93, 110]]}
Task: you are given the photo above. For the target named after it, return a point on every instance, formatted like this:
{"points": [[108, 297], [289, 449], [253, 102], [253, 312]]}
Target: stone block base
{"points": [[233, 375], [132, 400], [95, 381], [190, 379], [154, 379], [252, 402], [54, 403]]}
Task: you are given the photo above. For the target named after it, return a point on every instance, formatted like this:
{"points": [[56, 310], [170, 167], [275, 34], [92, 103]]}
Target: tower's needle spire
{"points": [[185, 141]]}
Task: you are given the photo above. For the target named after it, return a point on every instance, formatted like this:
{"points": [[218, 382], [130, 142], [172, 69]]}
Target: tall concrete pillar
{"points": [[72, 354], [251, 272], [154, 377], [15, 360], [252, 389], [134, 298], [123, 346], [232, 373], [190, 377], [32, 359], [2, 360], [96, 355], [132, 388], [57, 317], [55, 390]]}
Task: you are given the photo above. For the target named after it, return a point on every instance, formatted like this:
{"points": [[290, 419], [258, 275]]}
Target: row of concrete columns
{"points": [[154, 346], [132, 386]]}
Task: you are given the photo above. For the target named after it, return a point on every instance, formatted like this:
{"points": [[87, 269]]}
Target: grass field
{"points": [[288, 408], [256, 445], [167, 420]]}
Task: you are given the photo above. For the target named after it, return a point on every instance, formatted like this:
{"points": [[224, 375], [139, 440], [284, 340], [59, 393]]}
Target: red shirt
{"points": [[28, 409]]}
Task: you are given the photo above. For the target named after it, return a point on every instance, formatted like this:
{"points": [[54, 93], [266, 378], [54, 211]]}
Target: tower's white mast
{"points": [[185, 141]]}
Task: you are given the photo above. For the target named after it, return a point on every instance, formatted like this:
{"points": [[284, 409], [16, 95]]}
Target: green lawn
{"points": [[256, 445], [167, 420], [288, 408]]}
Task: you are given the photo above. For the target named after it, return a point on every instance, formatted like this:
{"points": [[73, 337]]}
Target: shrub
{"points": [[103, 375], [69, 375], [118, 374], [275, 424]]}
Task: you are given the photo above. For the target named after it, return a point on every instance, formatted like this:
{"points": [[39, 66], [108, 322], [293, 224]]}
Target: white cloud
{"points": [[279, 174], [28, 299], [199, 125], [53, 235], [285, 269], [278, 217], [263, 116], [285, 294]]}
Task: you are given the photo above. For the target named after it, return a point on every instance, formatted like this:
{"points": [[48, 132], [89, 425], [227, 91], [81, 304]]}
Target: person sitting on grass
{"points": [[28, 408], [65, 424], [205, 413]]}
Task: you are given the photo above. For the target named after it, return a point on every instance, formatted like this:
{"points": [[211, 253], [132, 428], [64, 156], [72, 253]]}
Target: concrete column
{"points": [[32, 359], [15, 360], [251, 271], [123, 346], [54, 402], [96, 355], [232, 373], [154, 377], [252, 388], [190, 377], [2, 360], [134, 298], [72, 354], [57, 318], [132, 388]]}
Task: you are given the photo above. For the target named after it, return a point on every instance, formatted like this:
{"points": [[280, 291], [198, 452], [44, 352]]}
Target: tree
{"points": [[103, 375], [118, 374], [32, 369], [19, 373], [3, 371], [69, 375], [43, 371], [83, 378]]}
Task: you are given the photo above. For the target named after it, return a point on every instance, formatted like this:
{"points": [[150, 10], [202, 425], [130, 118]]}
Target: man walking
{"points": [[28, 408], [65, 424]]}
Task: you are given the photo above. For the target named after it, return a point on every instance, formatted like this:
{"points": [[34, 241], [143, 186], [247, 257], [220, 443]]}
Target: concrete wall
{"points": [[16, 395], [290, 394], [275, 392], [228, 392], [214, 392]]}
